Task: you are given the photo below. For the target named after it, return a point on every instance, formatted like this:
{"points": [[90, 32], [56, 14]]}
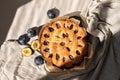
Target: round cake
{"points": [[63, 42]]}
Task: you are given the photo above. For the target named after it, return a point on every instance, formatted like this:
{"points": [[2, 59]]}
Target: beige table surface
{"points": [[16, 67]]}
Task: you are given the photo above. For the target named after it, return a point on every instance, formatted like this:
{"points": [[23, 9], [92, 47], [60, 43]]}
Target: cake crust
{"points": [[62, 42]]}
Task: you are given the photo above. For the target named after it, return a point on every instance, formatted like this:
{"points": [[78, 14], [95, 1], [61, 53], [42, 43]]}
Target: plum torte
{"points": [[62, 42]]}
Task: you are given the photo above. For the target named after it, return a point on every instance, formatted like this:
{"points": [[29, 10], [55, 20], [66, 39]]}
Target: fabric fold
{"points": [[103, 26]]}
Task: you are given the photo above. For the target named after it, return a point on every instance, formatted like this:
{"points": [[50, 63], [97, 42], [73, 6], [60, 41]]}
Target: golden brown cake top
{"points": [[62, 42]]}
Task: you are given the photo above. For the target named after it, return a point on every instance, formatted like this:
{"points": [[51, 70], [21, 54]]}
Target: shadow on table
{"points": [[7, 12]]}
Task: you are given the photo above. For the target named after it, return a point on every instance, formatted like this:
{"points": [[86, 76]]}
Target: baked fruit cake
{"points": [[62, 42]]}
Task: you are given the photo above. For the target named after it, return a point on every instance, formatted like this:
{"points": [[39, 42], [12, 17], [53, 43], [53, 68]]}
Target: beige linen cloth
{"points": [[103, 17]]}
